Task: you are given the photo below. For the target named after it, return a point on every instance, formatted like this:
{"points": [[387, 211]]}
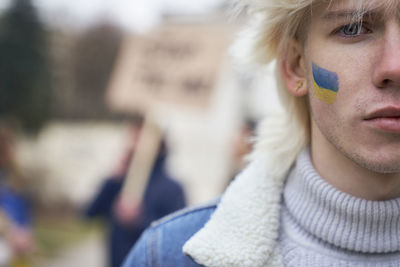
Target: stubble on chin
{"points": [[367, 159]]}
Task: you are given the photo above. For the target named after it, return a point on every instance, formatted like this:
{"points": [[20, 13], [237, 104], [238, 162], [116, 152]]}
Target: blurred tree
{"points": [[24, 72], [93, 60]]}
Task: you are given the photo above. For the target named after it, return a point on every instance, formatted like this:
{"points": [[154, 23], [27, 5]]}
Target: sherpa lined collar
{"points": [[243, 231]]}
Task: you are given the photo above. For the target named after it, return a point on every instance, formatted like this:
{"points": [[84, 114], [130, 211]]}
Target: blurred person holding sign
{"points": [[137, 193]]}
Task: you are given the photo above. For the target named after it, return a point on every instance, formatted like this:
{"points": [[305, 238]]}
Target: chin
{"points": [[379, 164]]}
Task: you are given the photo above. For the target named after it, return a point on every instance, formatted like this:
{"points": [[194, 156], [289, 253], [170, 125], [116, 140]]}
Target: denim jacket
{"points": [[241, 230], [161, 244]]}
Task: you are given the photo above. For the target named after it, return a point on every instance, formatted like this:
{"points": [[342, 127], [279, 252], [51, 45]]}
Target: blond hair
{"points": [[272, 25]]}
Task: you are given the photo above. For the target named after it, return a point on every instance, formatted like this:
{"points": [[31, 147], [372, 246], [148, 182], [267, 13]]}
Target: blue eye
{"points": [[353, 29]]}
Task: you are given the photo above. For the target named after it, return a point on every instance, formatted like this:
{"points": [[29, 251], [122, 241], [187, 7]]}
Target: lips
{"points": [[385, 119], [389, 112]]}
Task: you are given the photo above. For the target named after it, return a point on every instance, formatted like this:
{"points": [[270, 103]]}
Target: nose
{"points": [[387, 69]]}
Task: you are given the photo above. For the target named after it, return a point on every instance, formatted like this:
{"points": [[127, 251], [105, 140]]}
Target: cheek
{"points": [[323, 113], [325, 84], [326, 98], [339, 109]]}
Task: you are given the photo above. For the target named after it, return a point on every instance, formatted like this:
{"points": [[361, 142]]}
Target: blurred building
{"points": [[82, 63], [61, 45]]}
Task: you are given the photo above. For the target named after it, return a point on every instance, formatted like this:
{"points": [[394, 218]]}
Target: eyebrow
{"points": [[331, 15]]}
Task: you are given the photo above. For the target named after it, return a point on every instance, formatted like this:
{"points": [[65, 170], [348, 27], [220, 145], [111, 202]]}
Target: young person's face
{"points": [[353, 81]]}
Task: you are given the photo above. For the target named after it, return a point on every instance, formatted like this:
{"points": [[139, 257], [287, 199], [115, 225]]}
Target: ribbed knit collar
{"points": [[338, 218]]}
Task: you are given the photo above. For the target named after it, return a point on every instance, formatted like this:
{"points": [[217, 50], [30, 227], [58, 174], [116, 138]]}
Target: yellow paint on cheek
{"points": [[325, 95]]}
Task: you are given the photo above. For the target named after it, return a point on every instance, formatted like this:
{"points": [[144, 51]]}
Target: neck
{"points": [[349, 177]]}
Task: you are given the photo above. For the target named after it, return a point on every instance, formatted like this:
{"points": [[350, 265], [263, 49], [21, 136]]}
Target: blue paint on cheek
{"points": [[325, 79]]}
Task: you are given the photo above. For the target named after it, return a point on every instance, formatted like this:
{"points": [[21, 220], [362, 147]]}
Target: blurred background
{"points": [[113, 114]]}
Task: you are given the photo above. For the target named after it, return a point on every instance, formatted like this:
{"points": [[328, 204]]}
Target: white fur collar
{"points": [[243, 230]]}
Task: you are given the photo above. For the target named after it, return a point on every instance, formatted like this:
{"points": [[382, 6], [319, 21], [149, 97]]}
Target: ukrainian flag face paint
{"points": [[326, 84]]}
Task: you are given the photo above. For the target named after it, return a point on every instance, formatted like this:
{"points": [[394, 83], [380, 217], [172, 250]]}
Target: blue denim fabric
{"points": [[161, 244]]}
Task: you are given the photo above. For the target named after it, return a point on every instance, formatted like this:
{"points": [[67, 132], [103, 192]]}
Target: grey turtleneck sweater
{"points": [[322, 226]]}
